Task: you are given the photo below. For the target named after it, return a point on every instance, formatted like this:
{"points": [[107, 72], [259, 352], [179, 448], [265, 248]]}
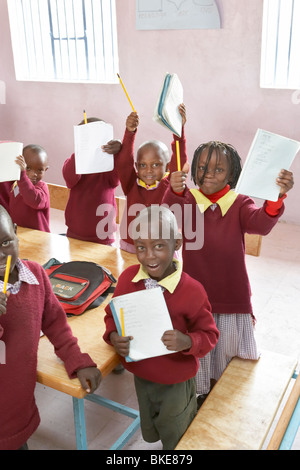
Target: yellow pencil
{"points": [[122, 322], [85, 119], [6, 273], [13, 186], [178, 156], [126, 93]]}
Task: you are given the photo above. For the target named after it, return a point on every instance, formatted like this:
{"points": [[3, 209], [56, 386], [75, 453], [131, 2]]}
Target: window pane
{"points": [[280, 44], [64, 40]]}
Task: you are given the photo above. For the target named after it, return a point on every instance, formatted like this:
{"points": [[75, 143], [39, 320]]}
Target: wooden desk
{"points": [[88, 328]]}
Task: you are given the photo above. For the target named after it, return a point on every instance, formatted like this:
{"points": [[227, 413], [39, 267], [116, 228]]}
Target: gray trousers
{"points": [[165, 410]]}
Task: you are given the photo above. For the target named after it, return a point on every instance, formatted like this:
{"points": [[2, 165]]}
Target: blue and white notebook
{"points": [[146, 318], [166, 112]]}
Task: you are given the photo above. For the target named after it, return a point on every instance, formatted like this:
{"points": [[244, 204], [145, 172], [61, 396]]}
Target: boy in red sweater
{"points": [[165, 385], [88, 193], [28, 307], [29, 204], [146, 181]]}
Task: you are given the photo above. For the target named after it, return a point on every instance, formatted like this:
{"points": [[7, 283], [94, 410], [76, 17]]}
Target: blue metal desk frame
{"points": [[293, 426], [79, 418]]}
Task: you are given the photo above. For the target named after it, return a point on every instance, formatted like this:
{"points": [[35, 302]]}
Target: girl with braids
{"points": [[219, 264]]}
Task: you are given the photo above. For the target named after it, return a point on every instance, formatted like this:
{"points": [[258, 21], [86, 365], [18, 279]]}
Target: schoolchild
{"points": [[220, 263], [145, 181], [165, 385], [28, 307], [84, 216], [29, 204]]}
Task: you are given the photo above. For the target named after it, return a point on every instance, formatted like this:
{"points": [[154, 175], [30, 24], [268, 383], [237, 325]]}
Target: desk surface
{"points": [[88, 327]]}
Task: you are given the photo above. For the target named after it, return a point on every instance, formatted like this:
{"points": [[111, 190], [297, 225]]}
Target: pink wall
{"points": [[219, 70]]}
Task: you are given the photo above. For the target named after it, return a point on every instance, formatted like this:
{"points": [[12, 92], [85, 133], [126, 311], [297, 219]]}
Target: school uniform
{"points": [[5, 189], [29, 204], [219, 264], [31, 307], [88, 196], [138, 194], [164, 373]]}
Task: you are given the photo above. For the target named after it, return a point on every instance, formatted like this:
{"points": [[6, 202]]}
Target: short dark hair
{"points": [[36, 148]]}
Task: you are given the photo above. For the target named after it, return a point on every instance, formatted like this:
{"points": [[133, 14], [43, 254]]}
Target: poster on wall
{"points": [[177, 14]]}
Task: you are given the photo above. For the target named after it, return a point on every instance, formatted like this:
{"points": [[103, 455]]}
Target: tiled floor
{"points": [[275, 280]]}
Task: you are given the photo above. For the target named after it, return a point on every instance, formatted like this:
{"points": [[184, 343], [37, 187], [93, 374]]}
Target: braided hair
{"points": [[233, 160]]}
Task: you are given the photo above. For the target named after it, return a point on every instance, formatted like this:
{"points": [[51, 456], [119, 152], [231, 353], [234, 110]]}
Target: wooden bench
{"points": [[239, 411], [59, 196]]}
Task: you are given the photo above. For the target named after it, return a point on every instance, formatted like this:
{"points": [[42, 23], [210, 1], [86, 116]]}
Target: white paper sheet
{"points": [[146, 318], [269, 153], [9, 169], [89, 157]]}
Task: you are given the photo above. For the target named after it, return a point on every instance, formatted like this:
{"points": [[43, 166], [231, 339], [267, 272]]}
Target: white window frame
{"points": [[71, 41], [280, 64]]}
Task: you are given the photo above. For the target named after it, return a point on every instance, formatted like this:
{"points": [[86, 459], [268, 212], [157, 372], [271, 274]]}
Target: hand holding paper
{"points": [[112, 147], [175, 340], [269, 153], [89, 156], [146, 319], [121, 343], [286, 181], [20, 160]]}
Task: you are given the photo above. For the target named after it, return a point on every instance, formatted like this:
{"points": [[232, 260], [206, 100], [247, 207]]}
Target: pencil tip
{"points": [[118, 75]]}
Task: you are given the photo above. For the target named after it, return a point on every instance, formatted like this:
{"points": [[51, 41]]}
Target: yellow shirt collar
{"points": [[152, 186], [225, 202], [170, 282]]}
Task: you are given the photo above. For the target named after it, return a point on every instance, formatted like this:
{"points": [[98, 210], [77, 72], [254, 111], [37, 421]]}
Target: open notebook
{"points": [[146, 318], [166, 112]]}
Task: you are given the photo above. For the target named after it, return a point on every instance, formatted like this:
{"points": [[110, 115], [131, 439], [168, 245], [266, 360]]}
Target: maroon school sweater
{"points": [[91, 208], [190, 313], [5, 189], [33, 309], [29, 204], [138, 197], [220, 263]]}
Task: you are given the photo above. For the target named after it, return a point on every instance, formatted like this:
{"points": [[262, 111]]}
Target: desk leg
{"points": [[292, 429], [125, 410], [79, 419]]}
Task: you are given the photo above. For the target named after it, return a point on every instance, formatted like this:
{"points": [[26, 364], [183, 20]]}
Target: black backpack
{"points": [[79, 285]]}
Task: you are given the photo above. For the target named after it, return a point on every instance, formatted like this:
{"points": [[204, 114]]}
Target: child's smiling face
{"points": [[156, 256], [216, 176], [157, 240], [150, 165]]}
